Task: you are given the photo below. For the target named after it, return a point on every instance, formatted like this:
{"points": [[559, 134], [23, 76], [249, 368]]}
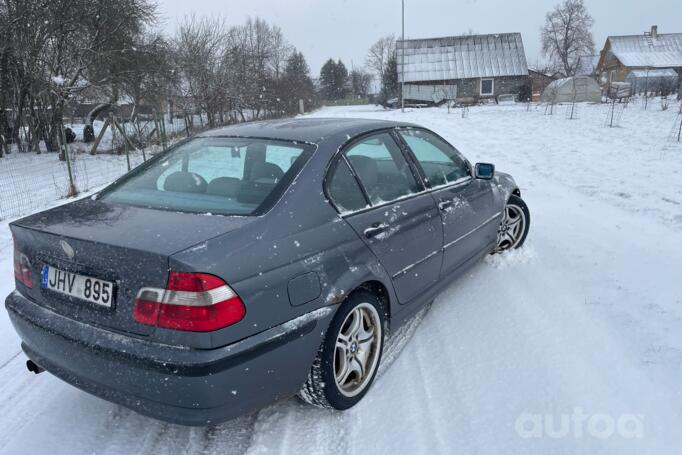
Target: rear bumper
{"points": [[178, 385]]}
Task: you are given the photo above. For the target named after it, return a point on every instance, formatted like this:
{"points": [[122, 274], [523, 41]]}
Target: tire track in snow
{"points": [[7, 362], [306, 427], [233, 437], [424, 400], [293, 427], [21, 398], [421, 360]]}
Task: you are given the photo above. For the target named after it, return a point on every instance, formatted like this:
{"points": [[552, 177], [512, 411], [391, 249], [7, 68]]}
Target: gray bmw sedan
{"points": [[252, 263]]}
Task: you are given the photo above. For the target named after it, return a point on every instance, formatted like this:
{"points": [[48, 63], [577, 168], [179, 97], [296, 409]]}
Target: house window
{"points": [[487, 87], [613, 75]]}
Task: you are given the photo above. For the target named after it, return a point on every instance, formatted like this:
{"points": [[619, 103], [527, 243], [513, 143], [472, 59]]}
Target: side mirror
{"points": [[484, 171]]}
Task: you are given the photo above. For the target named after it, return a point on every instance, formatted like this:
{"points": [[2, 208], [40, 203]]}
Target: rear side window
{"points": [[228, 176], [441, 163], [343, 188], [382, 169]]}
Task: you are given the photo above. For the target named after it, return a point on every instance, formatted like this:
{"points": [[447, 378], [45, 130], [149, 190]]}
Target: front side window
{"points": [[381, 168], [227, 176], [487, 86], [440, 161]]}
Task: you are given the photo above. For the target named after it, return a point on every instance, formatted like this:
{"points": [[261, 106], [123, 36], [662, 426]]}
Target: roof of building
{"points": [[663, 50], [587, 65], [462, 57]]}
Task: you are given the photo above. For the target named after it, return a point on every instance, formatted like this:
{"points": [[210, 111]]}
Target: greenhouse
{"points": [[653, 81], [572, 89]]}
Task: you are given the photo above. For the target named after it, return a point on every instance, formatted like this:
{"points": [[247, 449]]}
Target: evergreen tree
{"points": [[297, 83], [328, 80], [341, 81], [333, 80], [390, 85]]}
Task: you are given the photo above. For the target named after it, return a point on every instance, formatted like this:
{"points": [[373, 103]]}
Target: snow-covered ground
{"points": [[571, 345]]}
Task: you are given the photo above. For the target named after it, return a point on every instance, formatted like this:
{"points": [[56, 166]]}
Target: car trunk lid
{"points": [[128, 246]]}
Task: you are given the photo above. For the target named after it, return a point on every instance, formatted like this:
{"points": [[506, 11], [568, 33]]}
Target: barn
{"points": [[470, 67]]}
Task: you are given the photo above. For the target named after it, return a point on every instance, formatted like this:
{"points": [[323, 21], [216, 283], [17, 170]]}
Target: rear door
{"points": [[466, 204], [378, 194]]}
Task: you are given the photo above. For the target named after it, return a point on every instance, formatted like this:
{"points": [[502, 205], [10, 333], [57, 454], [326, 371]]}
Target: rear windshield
{"points": [[226, 176]]}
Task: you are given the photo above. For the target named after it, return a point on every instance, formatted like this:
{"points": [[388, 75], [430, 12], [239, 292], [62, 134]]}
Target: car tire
{"points": [[514, 227], [348, 359]]}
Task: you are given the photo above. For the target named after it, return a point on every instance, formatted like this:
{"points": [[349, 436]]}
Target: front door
{"points": [[401, 227], [466, 204]]}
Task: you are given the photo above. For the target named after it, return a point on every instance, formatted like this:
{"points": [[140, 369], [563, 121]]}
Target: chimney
{"points": [[654, 31]]}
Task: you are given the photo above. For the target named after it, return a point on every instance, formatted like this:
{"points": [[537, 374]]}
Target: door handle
{"points": [[442, 205], [375, 229]]}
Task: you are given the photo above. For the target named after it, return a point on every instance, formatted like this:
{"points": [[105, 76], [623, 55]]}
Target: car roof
{"points": [[312, 130]]}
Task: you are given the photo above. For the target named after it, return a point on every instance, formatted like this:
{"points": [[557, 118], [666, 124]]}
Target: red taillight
{"points": [[22, 268], [195, 302]]}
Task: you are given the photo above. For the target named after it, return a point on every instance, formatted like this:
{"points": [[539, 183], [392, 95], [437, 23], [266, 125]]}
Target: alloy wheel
{"points": [[357, 349], [511, 229]]}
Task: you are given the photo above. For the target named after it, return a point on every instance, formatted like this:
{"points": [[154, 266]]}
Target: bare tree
{"points": [[360, 82], [567, 34], [199, 50], [59, 49], [379, 55], [281, 51], [55, 54], [255, 61]]}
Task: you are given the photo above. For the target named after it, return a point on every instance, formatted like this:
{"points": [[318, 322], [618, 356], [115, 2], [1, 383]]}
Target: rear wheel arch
{"points": [[378, 289], [516, 192]]}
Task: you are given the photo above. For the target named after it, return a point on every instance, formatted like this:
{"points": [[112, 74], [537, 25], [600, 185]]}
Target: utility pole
{"points": [[402, 66]]}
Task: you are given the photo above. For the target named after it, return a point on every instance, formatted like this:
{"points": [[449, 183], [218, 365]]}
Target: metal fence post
{"points": [[72, 186], [126, 148], [113, 132], [164, 138], [186, 125]]}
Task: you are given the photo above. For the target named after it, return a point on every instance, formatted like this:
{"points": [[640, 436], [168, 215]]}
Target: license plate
{"points": [[82, 287]]}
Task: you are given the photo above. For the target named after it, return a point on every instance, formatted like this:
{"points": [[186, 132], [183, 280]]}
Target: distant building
{"points": [[588, 65], [539, 81], [649, 51], [470, 68]]}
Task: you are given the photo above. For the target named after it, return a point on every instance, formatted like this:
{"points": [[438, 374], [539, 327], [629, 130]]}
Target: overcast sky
{"points": [[346, 28]]}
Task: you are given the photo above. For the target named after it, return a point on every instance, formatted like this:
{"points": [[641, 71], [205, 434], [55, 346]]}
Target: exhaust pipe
{"points": [[34, 367]]}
